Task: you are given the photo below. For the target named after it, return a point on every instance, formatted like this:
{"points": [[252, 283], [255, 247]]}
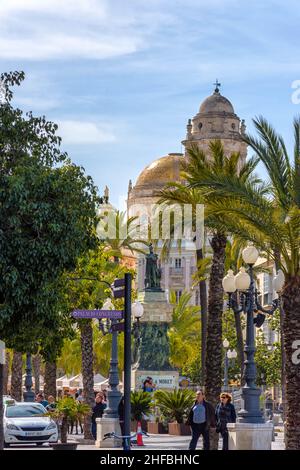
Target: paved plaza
{"points": [[156, 442]]}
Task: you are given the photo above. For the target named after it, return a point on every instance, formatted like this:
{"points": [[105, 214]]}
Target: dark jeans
{"points": [[197, 431], [94, 430], [224, 434]]}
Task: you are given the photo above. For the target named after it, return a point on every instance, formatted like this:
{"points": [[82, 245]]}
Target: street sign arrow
{"points": [[117, 327], [113, 314], [119, 283], [118, 294]]}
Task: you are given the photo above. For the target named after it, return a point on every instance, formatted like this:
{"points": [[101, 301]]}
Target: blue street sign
{"points": [[113, 314]]}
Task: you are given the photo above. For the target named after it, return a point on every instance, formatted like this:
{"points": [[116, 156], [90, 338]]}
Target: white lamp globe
{"points": [[108, 305], [233, 354], [242, 279], [225, 343], [278, 281], [250, 254], [228, 282], [137, 309]]}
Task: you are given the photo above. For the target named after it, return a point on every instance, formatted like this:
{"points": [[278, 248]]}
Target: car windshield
{"points": [[24, 411]]}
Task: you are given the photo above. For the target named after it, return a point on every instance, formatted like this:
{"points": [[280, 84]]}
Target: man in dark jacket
{"points": [[201, 418], [225, 413]]}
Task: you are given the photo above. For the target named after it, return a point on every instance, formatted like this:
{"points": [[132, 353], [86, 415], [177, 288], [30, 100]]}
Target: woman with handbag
{"points": [[225, 413]]}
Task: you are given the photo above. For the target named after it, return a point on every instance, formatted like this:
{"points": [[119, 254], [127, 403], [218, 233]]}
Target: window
{"points": [[178, 295], [177, 262], [267, 295]]}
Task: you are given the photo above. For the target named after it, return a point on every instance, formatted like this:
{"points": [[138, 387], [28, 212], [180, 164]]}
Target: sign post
{"points": [[2, 362], [127, 361]]}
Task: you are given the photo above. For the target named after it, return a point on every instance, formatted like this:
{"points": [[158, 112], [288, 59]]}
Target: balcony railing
{"points": [[176, 272]]}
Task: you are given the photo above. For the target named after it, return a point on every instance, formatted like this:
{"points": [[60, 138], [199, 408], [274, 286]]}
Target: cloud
{"points": [[85, 132], [64, 29]]}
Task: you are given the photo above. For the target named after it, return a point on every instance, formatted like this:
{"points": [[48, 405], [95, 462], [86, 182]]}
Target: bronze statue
{"points": [[153, 272]]}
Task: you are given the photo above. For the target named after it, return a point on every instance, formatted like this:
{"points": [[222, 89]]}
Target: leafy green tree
{"points": [[184, 330], [47, 220], [268, 362]]}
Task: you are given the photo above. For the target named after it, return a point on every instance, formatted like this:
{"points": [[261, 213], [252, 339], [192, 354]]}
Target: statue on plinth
{"points": [[153, 272]]}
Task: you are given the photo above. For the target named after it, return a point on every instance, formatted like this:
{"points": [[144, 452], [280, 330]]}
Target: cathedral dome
{"points": [[216, 103], [161, 171]]}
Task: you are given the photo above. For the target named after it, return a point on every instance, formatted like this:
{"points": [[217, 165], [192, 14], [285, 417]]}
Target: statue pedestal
{"points": [[250, 436], [105, 426], [156, 306]]}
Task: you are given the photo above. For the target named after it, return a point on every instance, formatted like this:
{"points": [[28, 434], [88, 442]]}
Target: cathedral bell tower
{"points": [[216, 119]]}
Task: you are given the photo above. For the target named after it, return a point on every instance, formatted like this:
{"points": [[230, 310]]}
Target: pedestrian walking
{"points": [[98, 410], [225, 413], [40, 399], [51, 403], [201, 418]]}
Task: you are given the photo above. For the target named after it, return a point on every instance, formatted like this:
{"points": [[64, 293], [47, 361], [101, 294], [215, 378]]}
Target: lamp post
{"points": [[226, 346], [113, 394], [248, 303], [137, 310], [229, 354], [29, 394]]}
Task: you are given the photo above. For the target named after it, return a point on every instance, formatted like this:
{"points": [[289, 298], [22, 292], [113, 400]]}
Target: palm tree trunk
{"points": [[213, 379], [36, 363], [203, 305], [64, 431], [16, 376], [6, 372], [283, 358], [291, 333], [50, 379], [87, 371]]}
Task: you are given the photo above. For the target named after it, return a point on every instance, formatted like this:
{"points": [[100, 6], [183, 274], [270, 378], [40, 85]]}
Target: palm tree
{"points": [[183, 330], [6, 369], [16, 376], [174, 405], [123, 236], [177, 193], [269, 216], [199, 170], [86, 332], [50, 379], [36, 365]]}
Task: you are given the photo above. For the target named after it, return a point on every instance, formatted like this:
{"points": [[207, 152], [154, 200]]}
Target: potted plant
{"points": [[159, 426], [141, 406], [175, 407], [67, 409]]}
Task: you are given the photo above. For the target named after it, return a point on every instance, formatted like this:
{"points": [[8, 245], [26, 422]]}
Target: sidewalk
{"points": [[168, 442]]}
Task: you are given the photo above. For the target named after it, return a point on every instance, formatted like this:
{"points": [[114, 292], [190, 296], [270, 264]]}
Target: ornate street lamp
{"points": [[113, 395], [29, 395], [110, 326], [247, 302]]}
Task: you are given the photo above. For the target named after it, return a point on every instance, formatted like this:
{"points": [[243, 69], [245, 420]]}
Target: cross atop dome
{"points": [[217, 84]]}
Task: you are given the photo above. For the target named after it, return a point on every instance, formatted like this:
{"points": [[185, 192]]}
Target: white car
{"points": [[24, 423]]}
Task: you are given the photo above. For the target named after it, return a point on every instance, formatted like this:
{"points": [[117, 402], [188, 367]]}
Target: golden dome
{"points": [[161, 171]]}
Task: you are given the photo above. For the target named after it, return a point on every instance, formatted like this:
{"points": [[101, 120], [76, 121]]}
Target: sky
{"points": [[122, 77]]}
